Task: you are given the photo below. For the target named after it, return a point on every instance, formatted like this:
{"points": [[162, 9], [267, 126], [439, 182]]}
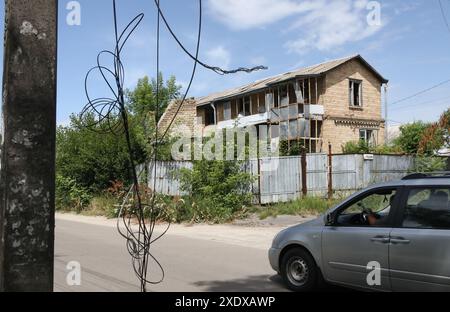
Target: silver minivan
{"points": [[389, 237]]}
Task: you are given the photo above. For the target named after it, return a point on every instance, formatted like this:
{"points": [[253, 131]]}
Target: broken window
{"points": [[209, 116], [292, 93], [247, 106], [255, 108], [244, 106], [234, 110], [220, 112], [262, 103], [270, 100], [299, 91], [276, 98], [355, 91], [227, 110], [284, 99]]}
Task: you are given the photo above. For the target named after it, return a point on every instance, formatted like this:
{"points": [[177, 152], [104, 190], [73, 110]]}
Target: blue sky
{"points": [[410, 47]]}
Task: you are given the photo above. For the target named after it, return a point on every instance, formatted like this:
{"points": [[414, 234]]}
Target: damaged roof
{"points": [[310, 71]]}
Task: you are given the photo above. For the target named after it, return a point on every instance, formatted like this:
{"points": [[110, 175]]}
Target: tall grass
{"points": [[308, 206]]}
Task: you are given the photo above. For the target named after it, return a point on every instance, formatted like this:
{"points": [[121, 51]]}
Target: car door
{"points": [[348, 248], [420, 245]]}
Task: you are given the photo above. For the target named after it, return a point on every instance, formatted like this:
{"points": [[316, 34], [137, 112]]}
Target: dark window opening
{"points": [[209, 116], [355, 89]]}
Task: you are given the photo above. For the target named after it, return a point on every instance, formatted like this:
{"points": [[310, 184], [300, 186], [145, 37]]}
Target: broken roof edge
{"points": [[312, 71]]}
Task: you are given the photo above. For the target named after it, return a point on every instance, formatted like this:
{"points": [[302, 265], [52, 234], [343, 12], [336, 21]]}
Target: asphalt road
{"points": [[190, 264]]}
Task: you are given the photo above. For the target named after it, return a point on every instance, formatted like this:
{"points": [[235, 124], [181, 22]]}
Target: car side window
{"points": [[373, 209], [427, 208]]}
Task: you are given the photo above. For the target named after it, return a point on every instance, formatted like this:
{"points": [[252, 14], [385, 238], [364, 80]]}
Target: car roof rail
{"points": [[430, 175]]}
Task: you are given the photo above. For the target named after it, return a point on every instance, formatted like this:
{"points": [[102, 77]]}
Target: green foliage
{"points": [[436, 136], [360, 147], [388, 150], [293, 148], [93, 159], [70, 196], [142, 106], [103, 205], [142, 100], [219, 189], [411, 136], [308, 206], [430, 164]]}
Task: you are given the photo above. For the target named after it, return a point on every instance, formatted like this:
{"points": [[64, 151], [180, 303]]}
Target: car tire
{"points": [[299, 270]]}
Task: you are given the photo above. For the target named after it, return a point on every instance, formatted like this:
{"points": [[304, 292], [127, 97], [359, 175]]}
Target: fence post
{"points": [[330, 171], [259, 181], [304, 167]]}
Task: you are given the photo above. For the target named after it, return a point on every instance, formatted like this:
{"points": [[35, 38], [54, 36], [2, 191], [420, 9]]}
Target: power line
{"points": [[437, 101], [443, 15], [421, 92]]}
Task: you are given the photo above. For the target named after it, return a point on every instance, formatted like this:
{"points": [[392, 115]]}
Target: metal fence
{"points": [[280, 179]]}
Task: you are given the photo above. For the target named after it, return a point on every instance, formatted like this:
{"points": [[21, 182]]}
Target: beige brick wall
{"points": [[336, 104], [338, 135], [185, 120]]}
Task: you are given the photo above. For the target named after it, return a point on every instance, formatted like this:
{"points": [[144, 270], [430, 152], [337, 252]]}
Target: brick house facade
{"points": [[333, 102]]}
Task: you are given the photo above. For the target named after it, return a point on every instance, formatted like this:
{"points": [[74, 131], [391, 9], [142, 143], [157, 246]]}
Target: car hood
{"points": [[305, 226]]}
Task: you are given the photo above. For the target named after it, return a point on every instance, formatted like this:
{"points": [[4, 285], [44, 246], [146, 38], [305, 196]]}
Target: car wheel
{"points": [[299, 270]]}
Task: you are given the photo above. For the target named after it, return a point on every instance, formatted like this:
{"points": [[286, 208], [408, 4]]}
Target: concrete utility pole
{"points": [[27, 185]]}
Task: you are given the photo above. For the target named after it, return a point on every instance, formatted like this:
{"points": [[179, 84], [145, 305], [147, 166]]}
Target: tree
{"points": [[142, 100], [94, 158], [411, 136], [436, 136], [141, 103]]}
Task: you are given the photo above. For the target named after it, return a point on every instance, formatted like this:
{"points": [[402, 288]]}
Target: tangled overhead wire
{"points": [[139, 210]]}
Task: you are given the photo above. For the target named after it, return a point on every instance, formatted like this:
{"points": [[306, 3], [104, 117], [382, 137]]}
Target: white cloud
{"points": [[246, 14], [320, 24], [219, 56]]}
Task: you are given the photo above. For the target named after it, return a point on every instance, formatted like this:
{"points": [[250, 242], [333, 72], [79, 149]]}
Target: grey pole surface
{"points": [[28, 128]]}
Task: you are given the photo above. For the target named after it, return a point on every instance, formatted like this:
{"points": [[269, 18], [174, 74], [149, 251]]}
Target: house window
{"points": [[367, 136], [209, 116], [355, 90], [244, 105], [247, 106], [284, 98], [227, 111]]}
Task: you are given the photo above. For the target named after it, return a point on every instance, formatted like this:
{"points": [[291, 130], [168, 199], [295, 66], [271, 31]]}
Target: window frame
{"points": [[351, 97], [367, 137], [404, 200], [391, 219]]}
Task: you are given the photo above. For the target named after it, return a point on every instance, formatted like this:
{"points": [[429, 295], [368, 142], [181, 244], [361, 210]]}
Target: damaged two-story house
{"points": [[333, 102]]}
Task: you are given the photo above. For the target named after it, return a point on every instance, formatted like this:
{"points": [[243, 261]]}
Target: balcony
{"points": [[244, 121]]}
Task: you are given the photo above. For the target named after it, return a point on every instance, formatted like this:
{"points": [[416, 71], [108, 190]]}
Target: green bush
{"points": [[359, 147], [219, 190], [70, 196], [362, 147], [430, 164]]}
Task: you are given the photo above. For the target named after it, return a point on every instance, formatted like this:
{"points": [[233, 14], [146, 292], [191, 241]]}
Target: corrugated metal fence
{"points": [[280, 179]]}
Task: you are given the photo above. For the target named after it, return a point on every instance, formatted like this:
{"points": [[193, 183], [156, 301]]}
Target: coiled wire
{"points": [[139, 211]]}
